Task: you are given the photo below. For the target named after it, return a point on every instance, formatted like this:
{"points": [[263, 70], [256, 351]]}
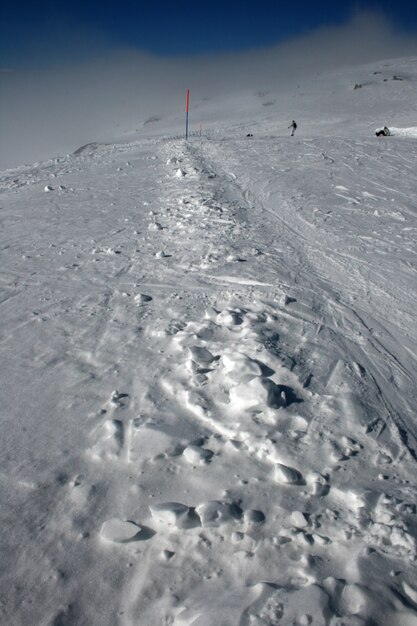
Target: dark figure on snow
{"points": [[293, 125], [383, 133]]}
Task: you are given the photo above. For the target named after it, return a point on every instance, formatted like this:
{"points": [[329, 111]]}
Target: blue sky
{"points": [[50, 31]]}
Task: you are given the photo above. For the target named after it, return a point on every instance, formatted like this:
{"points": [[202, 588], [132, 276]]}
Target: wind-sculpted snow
{"points": [[209, 384]]}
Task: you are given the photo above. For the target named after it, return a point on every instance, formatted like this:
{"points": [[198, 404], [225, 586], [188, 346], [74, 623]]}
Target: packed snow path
{"points": [[209, 385]]}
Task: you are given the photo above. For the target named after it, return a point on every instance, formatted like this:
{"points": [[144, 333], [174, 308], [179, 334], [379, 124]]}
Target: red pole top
{"points": [[187, 100]]}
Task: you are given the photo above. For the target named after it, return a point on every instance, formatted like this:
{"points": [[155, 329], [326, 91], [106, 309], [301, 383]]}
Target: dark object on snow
{"points": [[293, 125], [249, 135], [385, 132]]}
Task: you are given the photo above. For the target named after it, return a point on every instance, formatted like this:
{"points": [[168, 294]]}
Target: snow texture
{"points": [[209, 369]]}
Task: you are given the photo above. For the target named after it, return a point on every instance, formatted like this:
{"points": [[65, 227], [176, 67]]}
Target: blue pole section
{"points": [[187, 102]]}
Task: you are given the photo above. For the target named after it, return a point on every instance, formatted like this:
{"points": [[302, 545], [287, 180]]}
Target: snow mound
{"points": [[142, 298], [287, 475], [257, 393], [171, 513], [119, 531], [239, 367], [196, 454]]}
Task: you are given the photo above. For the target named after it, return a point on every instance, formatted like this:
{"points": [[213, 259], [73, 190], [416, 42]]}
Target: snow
{"points": [[119, 531], [223, 432], [288, 475], [404, 132], [172, 513]]}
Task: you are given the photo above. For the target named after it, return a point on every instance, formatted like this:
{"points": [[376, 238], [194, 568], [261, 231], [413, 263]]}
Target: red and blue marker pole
{"points": [[187, 102]]}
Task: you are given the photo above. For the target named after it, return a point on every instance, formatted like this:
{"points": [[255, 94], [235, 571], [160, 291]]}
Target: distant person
{"points": [[293, 125], [385, 132]]}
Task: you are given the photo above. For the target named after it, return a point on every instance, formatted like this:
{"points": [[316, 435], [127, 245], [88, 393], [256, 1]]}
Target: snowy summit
{"points": [[208, 358]]}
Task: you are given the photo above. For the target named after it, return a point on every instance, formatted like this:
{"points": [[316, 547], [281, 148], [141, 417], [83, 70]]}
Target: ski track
{"points": [[225, 350]]}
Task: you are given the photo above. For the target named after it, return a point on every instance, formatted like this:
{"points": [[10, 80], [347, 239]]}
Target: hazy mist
{"points": [[108, 93]]}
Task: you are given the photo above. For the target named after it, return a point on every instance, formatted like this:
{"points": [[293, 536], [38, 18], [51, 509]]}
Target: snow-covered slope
{"points": [[208, 369]]}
